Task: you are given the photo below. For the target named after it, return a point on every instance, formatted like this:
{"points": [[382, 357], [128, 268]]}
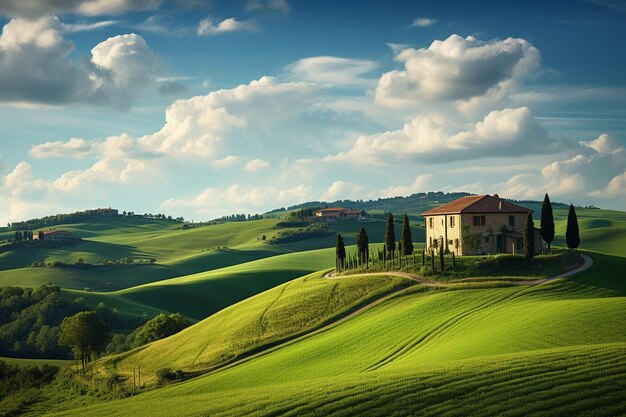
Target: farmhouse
{"points": [[56, 235], [479, 224], [337, 213]]}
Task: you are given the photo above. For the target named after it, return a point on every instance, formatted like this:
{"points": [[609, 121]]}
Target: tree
{"points": [[572, 235], [158, 328], [362, 243], [547, 221], [529, 237], [86, 334], [340, 252], [390, 236], [406, 238]]}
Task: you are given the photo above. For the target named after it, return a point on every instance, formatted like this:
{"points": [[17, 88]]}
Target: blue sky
{"points": [[205, 108]]}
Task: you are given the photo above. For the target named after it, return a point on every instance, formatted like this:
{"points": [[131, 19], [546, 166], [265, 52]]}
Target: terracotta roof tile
{"points": [[477, 204]]}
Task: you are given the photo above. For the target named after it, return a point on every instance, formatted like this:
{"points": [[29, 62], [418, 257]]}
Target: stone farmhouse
{"points": [[476, 225], [337, 213]]}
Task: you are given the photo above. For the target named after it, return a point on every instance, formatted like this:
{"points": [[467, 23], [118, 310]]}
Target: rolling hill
{"points": [[519, 349]]}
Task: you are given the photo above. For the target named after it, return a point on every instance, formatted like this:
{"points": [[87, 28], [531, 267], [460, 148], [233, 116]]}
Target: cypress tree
{"points": [[390, 236], [340, 252], [432, 260], [572, 236], [362, 244], [423, 256], [529, 237], [441, 261], [405, 237], [547, 221]]}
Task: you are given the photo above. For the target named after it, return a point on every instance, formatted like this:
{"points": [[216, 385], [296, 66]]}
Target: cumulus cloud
{"points": [[226, 162], [340, 190], [456, 69], [121, 146], [239, 198], [38, 8], [422, 22], [615, 188], [256, 165], [421, 183], [208, 27], [507, 132], [330, 70], [35, 66], [596, 171]]}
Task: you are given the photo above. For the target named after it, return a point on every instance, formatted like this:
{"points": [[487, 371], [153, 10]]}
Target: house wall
{"points": [[438, 232], [494, 224]]}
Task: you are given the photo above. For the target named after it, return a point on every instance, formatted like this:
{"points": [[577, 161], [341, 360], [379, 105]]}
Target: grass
{"points": [[521, 350], [287, 310], [36, 362]]}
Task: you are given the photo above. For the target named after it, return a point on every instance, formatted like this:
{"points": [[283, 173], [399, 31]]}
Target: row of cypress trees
{"points": [[572, 233], [403, 247]]}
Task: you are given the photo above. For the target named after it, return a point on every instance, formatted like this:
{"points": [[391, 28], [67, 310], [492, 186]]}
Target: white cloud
{"points": [[86, 26], [22, 182], [330, 70], [341, 190], [73, 148], [601, 161], [268, 6], [38, 8], [456, 69], [256, 165], [615, 188], [507, 132], [209, 28], [226, 162], [421, 183], [237, 198], [422, 22], [35, 66]]}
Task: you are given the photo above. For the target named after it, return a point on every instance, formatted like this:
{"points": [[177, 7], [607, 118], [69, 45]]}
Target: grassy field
{"points": [[36, 362], [468, 350], [284, 311]]}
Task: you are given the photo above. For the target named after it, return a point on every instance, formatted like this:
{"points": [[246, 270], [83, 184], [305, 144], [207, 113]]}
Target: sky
{"points": [[205, 108]]}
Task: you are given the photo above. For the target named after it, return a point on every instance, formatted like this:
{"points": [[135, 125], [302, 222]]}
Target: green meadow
{"points": [[274, 336], [515, 350]]}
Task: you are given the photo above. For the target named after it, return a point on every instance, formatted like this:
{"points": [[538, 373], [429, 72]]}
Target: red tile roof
{"points": [[477, 204]]}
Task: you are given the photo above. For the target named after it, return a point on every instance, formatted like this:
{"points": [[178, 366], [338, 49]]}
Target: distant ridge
{"points": [[414, 204]]}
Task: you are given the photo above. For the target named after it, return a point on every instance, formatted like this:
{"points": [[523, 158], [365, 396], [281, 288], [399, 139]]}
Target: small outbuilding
{"points": [[56, 235]]}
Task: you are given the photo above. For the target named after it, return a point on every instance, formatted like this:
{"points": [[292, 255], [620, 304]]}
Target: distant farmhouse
{"points": [[337, 213], [480, 224], [104, 212], [55, 235]]}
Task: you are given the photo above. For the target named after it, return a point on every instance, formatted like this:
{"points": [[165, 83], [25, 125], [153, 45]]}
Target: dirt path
{"points": [[586, 264]]}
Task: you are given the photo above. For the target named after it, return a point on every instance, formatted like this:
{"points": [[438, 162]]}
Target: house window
{"points": [[452, 221], [431, 242], [487, 239], [511, 220], [479, 220], [430, 222]]}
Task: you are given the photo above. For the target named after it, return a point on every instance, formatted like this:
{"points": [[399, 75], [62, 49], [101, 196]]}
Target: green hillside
{"points": [[518, 349], [271, 316]]}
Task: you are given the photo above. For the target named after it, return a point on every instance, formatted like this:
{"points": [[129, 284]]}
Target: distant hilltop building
{"points": [[337, 213], [55, 235], [104, 212], [478, 224]]}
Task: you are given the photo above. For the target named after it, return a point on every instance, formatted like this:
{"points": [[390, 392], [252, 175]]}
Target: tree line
{"points": [[404, 246]]}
